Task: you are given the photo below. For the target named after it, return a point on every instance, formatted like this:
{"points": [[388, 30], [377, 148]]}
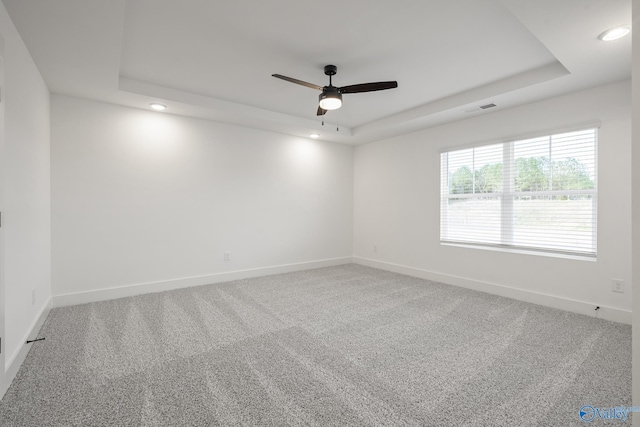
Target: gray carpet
{"points": [[341, 346]]}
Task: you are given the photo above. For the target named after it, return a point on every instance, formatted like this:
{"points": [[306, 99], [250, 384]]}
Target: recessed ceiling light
{"points": [[614, 33], [158, 107], [314, 135]]}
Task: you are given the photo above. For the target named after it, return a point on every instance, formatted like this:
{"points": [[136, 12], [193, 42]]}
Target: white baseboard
{"points": [[167, 285], [575, 306], [13, 364]]}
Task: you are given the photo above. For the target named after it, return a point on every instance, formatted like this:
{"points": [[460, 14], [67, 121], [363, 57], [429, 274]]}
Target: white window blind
{"points": [[533, 194]]}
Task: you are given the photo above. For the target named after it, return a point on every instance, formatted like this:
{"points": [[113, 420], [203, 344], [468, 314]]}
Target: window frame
{"points": [[508, 195]]}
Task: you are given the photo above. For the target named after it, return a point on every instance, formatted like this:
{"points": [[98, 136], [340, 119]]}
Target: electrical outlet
{"points": [[33, 296], [227, 256], [617, 285]]}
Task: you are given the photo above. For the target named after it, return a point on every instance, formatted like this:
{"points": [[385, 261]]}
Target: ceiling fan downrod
{"points": [[330, 70]]}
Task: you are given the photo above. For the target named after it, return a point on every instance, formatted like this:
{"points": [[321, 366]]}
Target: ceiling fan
{"points": [[331, 96]]}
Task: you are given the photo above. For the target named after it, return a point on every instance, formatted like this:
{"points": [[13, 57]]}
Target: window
{"points": [[533, 194]]}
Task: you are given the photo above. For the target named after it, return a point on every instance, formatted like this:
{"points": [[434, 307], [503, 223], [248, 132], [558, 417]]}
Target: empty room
{"points": [[339, 213]]}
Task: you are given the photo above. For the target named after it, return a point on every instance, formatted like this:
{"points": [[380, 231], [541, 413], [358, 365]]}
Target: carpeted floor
{"points": [[337, 346]]}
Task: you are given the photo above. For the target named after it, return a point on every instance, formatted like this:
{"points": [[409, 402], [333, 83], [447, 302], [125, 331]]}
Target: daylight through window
{"points": [[535, 194]]}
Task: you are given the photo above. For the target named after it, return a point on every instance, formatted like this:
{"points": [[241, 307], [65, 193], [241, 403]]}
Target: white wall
{"points": [[141, 197], [397, 202], [26, 206], [635, 161]]}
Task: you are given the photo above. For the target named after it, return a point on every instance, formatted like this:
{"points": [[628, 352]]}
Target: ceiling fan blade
{"points": [[321, 111], [368, 87], [300, 82]]}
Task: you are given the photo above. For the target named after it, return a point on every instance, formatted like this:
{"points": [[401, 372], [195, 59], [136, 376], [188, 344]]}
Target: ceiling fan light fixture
{"points": [[330, 100], [614, 33]]}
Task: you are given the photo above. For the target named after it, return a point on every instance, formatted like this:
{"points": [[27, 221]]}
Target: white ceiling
{"points": [[214, 59]]}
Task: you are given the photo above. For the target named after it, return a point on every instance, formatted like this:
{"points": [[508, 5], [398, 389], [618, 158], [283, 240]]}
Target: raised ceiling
{"points": [[214, 60]]}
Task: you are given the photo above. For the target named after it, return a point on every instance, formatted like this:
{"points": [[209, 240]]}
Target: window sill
{"points": [[522, 251]]}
